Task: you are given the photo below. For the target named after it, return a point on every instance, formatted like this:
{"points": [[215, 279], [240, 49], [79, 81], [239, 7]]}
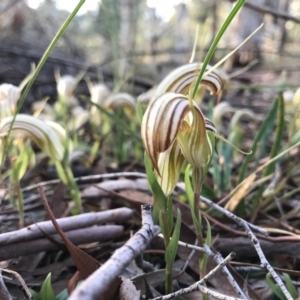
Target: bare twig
{"points": [[100, 281], [230, 215], [70, 223], [214, 294], [189, 257], [196, 286], [21, 280], [218, 258], [4, 294], [144, 265]]}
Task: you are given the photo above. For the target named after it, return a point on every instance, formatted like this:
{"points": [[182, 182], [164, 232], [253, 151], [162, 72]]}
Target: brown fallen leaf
{"points": [[57, 203], [85, 263]]}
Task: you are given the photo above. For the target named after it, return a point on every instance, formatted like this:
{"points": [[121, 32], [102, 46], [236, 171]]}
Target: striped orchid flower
{"points": [[174, 129], [49, 137]]}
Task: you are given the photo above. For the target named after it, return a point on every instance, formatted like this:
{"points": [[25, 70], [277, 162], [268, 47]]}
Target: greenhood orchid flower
{"points": [[42, 134], [174, 132], [174, 129], [182, 80]]}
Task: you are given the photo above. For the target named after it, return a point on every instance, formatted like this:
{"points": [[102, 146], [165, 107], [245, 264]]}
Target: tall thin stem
{"points": [[166, 233], [197, 181]]}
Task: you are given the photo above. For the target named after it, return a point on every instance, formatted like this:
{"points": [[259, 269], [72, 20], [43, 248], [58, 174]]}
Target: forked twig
{"points": [[4, 293], [218, 259], [247, 227], [199, 284], [21, 280]]}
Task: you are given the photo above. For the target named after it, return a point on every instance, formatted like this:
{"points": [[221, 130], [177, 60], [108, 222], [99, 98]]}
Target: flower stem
{"points": [[166, 233], [197, 178]]}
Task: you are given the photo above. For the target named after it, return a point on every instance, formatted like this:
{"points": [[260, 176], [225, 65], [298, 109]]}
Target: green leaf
{"points": [[20, 165], [170, 213], [155, 214], [61, 172], [63, 295], [190, 196], [35, 295], [290, 286], [263, 127], [262, 146], [275, 288], [159, 196], [46, 292], [215, 42], [205, 257], [279, 135], [208, 233], [275, 148], [217, 172], [171, 249]]}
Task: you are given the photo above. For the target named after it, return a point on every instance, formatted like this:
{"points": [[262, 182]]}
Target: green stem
{"points": [[74, 190], [20, 204], [66, 176], [197, 178], [169, 266], [197, 191], [165, 227]]}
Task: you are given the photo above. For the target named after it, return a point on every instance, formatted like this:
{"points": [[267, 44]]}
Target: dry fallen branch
{"points": [[100, 281], [79, 236], [70, 223], [90, 179]]}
